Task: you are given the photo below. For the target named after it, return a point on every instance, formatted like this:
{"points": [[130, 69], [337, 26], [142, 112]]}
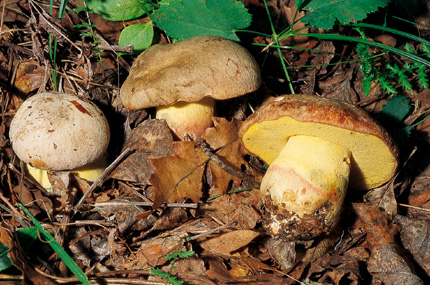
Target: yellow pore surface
{"points": [[307, 173], [188, 118], [372, 163]]}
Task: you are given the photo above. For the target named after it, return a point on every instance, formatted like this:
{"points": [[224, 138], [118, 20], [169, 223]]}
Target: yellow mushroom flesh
{"points": [[307, 181]]}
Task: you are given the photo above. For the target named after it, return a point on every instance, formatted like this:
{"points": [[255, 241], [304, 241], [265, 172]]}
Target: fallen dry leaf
{"points": [[383, 197], [415, 237], [29, 76], [240, 207], [152, 139], [386, 262], [153, 251], [377, 224], [226, 166], [179, 175], [227, 243], [387, 266]]}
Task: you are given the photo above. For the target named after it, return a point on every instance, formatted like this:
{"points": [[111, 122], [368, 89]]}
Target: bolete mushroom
{"points": [[316, 147], [57, 131], [184, 79]]}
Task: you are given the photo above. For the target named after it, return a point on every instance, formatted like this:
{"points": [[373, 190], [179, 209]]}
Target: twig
{"points": [[215, 158], [147, 204], [214, 230], [103, 175]]}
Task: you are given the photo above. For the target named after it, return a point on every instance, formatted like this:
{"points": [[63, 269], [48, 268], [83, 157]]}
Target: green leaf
{"points": [[191, 18], [5, 261], [180, 254], [324, 13], [396, 108], [119, 10], [26, 239], [65, 257], [140, 36]]}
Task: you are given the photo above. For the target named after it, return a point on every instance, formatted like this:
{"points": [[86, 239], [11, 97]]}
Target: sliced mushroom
{"points": [[314, 146]]}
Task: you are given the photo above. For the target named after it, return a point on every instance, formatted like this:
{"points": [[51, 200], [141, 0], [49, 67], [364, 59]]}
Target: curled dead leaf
{"points": [[152, 139]]}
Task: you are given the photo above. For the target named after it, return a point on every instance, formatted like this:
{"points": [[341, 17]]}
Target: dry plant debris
{"points": [[190, 211]]}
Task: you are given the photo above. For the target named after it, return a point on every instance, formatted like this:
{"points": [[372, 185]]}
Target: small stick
{"points": [[103, 175], [214, 230], [147, 204]]}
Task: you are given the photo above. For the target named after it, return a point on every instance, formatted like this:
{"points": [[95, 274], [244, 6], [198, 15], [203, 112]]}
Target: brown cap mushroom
{"points": [[314, 146], [57, 131], [192, 70]]}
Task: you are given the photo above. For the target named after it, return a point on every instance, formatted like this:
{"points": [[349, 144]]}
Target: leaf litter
{"points": [[156, 201]]}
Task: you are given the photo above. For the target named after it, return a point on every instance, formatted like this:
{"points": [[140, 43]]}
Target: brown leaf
{"points": [[152, 252], [386, 265], [217, 270], [27, 197], [179, 175], [222, 133], [383, 197], [226, 165], [220, 179], [377, 224], [339, 86], [241, 207], [152, 139], [29, 76], [229, 242], [415, 237]]}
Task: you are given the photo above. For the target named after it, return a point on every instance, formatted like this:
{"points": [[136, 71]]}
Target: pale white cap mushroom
{"points": [[57, 131], [199, 70]]}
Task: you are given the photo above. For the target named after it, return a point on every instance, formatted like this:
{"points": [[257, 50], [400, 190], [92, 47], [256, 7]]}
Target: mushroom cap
{"points": [[58, 131], [374, 158], [189, 71]]}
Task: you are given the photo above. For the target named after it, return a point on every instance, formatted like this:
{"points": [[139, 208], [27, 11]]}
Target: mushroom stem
{"points": [[88, 172], [305, 187], [188, 118]]}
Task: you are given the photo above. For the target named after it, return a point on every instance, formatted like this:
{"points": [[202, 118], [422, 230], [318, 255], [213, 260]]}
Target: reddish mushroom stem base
{"points": [[186, 118], [304, 188]]}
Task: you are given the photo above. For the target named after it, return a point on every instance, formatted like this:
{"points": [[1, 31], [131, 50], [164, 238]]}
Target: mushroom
{"points": [[316, 148], [57, 131], [184, 79]]}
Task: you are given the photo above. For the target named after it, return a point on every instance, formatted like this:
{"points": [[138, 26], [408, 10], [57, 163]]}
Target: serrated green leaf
{"points": [[192, 18], [140, 36], [119, 10], [324, 13], [396, 108]]}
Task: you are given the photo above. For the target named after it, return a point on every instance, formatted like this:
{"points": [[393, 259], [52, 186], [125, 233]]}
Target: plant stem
{"points": [[281, 57]]}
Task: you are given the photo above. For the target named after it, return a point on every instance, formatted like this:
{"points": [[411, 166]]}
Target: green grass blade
{"points": [[397, 51], [62, 9], [275, 39], [393, 31], [58, 249]]}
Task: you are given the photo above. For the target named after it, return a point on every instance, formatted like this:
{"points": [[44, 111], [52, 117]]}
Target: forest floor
{"points": [[173, 211]]}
